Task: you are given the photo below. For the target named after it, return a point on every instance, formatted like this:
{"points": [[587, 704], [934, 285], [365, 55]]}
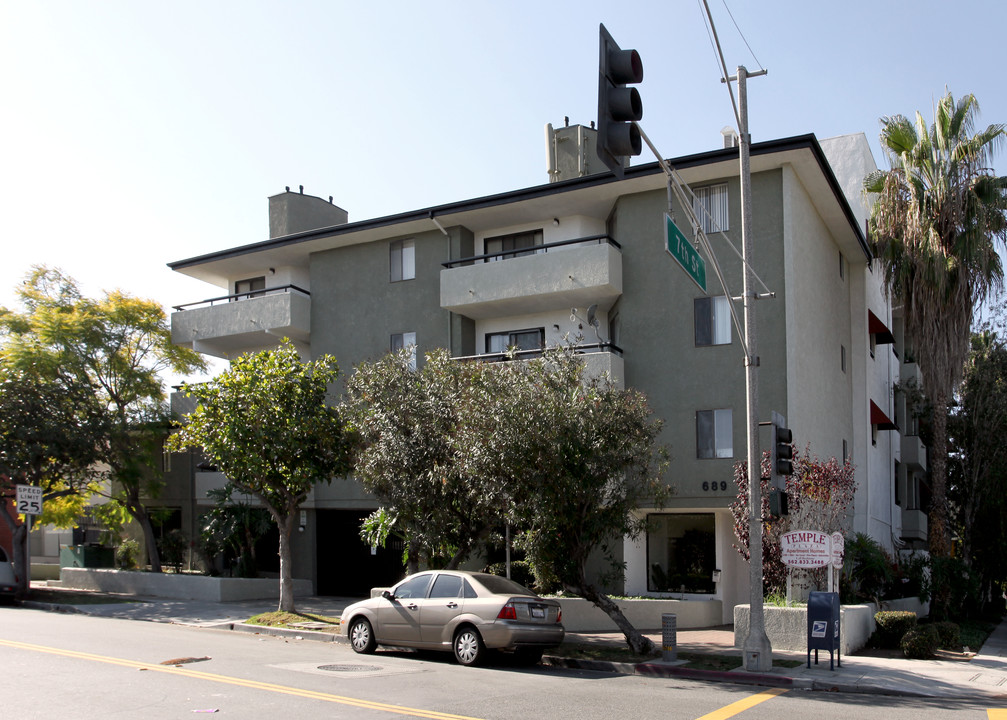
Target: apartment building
{"points": [[584, 256]]}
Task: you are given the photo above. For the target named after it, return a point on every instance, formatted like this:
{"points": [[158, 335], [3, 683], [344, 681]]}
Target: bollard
{"points": [[669, 637]]}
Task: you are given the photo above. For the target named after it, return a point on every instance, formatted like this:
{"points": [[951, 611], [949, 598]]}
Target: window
{"points": [[402, 260], [714, 434], [533, 339], [713, 321], [518, 241], [414, 587], [842, 357], [898, 486], [710, 206], [842, 266], [249, 287], [681, 553], [446, 586], [400, 341]]}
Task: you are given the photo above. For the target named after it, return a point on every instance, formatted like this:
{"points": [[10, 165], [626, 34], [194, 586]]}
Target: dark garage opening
{"points": [[346, 566]]}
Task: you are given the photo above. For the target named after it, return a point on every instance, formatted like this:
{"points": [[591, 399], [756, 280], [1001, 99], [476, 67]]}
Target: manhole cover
{"points": [[349, 668]]}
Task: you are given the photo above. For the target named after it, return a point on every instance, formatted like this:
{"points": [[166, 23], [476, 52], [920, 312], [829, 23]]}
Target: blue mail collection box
{"points": [[823, 626]]}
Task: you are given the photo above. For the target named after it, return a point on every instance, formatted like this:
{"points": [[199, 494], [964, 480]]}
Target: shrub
{"points": [[949, 635], [520, 572], [127, 553], [920, 642], [892, 625], [868, 569]]}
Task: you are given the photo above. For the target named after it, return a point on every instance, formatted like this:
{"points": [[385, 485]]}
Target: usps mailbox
{"points": [[823, 626]]}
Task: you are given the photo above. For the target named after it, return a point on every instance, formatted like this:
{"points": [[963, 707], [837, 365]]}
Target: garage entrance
{"points": [[346, 566]]}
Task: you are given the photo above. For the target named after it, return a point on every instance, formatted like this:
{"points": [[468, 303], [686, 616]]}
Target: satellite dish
{"points": [[592, 318]]}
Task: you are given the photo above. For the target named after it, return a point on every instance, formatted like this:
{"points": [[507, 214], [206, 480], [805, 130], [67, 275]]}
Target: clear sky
{"points": [[138, 133]]}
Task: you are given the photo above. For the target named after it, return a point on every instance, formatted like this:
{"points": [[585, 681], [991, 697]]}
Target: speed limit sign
{"points": [[29, 500]]}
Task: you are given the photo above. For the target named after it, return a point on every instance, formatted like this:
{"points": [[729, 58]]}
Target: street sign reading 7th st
{"points": [[684, 253]]}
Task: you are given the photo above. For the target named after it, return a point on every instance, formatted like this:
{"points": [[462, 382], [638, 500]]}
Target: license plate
{"points": [[538, 612]]}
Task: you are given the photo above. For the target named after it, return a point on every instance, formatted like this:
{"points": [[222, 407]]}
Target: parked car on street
{"points": [[462, 612], [8, 580]]}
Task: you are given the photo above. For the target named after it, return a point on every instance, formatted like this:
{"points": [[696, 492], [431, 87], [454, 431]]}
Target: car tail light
{"points": [[559, 615], [507, 612]]}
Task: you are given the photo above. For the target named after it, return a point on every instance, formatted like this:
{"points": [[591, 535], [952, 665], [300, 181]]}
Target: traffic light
{"points": [[783, 452], [618, 105]]}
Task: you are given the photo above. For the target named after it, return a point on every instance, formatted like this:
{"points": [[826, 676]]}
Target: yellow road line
{"points": [[253, 684], [994, 714], [734, 708]]}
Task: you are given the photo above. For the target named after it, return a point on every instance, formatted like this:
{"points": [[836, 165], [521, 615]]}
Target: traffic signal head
{"points": [[618, 106], [783, 451]]}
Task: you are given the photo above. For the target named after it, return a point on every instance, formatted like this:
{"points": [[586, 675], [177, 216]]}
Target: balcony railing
{"points": [[536, 250], [532, 354], [237, 297]]}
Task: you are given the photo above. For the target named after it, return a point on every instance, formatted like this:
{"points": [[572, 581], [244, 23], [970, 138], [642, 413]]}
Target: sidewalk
{"points": [[985, 676]]}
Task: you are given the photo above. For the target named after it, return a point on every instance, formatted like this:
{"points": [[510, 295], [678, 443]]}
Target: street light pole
{"points": [[758, 650]]}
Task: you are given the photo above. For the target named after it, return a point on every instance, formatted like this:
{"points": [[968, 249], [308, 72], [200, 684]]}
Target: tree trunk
{"points": [[19, 550], [940, 545], [139, 513], [286, 570], [637, 641]]}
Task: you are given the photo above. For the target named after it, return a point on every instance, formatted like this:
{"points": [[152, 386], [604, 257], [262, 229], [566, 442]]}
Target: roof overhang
{"points": [[880, 418], [593, 196]]}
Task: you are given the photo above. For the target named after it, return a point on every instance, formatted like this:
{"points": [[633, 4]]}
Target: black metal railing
{"points": [[536, 353], [535, 250], [248, 295]]}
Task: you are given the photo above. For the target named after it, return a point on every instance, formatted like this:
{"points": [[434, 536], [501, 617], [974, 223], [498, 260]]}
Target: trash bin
{"points": [[824, 626]]}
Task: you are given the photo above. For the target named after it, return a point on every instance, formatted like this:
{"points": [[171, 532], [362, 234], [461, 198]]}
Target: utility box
{"points": [[824, 626]]}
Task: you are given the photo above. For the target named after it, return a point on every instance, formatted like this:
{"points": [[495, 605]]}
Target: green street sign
{"points": [[684, 253]]}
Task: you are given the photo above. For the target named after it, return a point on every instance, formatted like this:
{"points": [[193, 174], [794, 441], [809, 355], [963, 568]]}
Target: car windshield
{"points": [[502, 586]]}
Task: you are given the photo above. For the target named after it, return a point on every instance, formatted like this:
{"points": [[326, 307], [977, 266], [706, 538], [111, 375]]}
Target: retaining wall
{"points": [[179, 587]]}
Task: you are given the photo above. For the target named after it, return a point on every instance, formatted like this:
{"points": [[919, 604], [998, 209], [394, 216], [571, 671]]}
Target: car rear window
{"points": [[501, 585]]}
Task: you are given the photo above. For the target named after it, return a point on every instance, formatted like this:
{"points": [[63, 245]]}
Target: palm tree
{"points": [[937, 215]]}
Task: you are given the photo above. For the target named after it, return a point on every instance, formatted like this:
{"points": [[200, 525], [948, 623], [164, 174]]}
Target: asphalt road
{"points": [[70, 666]]}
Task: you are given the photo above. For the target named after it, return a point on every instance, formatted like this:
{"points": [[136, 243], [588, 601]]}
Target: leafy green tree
{"points": [[938, 214], [417, 429], [50, 430], [978, 464], [580, 454], [267, 426], [117, 345], [456, 449]]}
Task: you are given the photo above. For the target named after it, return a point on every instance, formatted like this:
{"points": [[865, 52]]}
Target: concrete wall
{"points": [[582, 616], [181, 587], [787, 627]]}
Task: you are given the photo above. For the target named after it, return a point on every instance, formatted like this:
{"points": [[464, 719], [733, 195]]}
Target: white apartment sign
{"points": [[811, 549]]}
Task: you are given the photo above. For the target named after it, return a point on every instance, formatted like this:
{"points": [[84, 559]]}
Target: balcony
{"points": [[914, 525], [914, 453], [230, 325], [599, 359], [572, 273]]}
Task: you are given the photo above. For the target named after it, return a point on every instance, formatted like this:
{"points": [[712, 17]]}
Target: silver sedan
{"points": [[462, 612]]}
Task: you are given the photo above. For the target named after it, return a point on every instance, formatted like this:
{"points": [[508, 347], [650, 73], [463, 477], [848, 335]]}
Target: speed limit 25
{"points": [[28, 499]]}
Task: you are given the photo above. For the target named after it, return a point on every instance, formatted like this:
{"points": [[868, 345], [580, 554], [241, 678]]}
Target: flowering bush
{"points": [[819, 494]]}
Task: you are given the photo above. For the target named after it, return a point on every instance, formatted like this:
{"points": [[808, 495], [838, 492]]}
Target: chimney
{"points": [[291, 213], [730, 137], [572, 151]]}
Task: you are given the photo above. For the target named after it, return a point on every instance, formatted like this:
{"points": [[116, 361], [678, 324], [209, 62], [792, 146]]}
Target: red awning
{"points": [[877, 328], [879, 418]]}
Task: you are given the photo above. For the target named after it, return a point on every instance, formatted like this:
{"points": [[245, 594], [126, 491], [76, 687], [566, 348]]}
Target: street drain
{"points": [[349, 668]]}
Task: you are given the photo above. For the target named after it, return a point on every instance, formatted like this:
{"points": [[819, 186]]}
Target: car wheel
{"points": [[469, 647], [362, 636], [528, 656]]}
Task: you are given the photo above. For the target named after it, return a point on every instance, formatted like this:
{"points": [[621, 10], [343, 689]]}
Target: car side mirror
{"points": [[388, 595]]}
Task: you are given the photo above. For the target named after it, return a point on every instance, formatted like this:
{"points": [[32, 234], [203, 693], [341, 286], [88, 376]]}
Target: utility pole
{"points": [[758, 650]]}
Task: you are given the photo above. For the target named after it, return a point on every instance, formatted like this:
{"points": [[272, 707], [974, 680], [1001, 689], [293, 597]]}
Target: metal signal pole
{"points": [[758, 649]]}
